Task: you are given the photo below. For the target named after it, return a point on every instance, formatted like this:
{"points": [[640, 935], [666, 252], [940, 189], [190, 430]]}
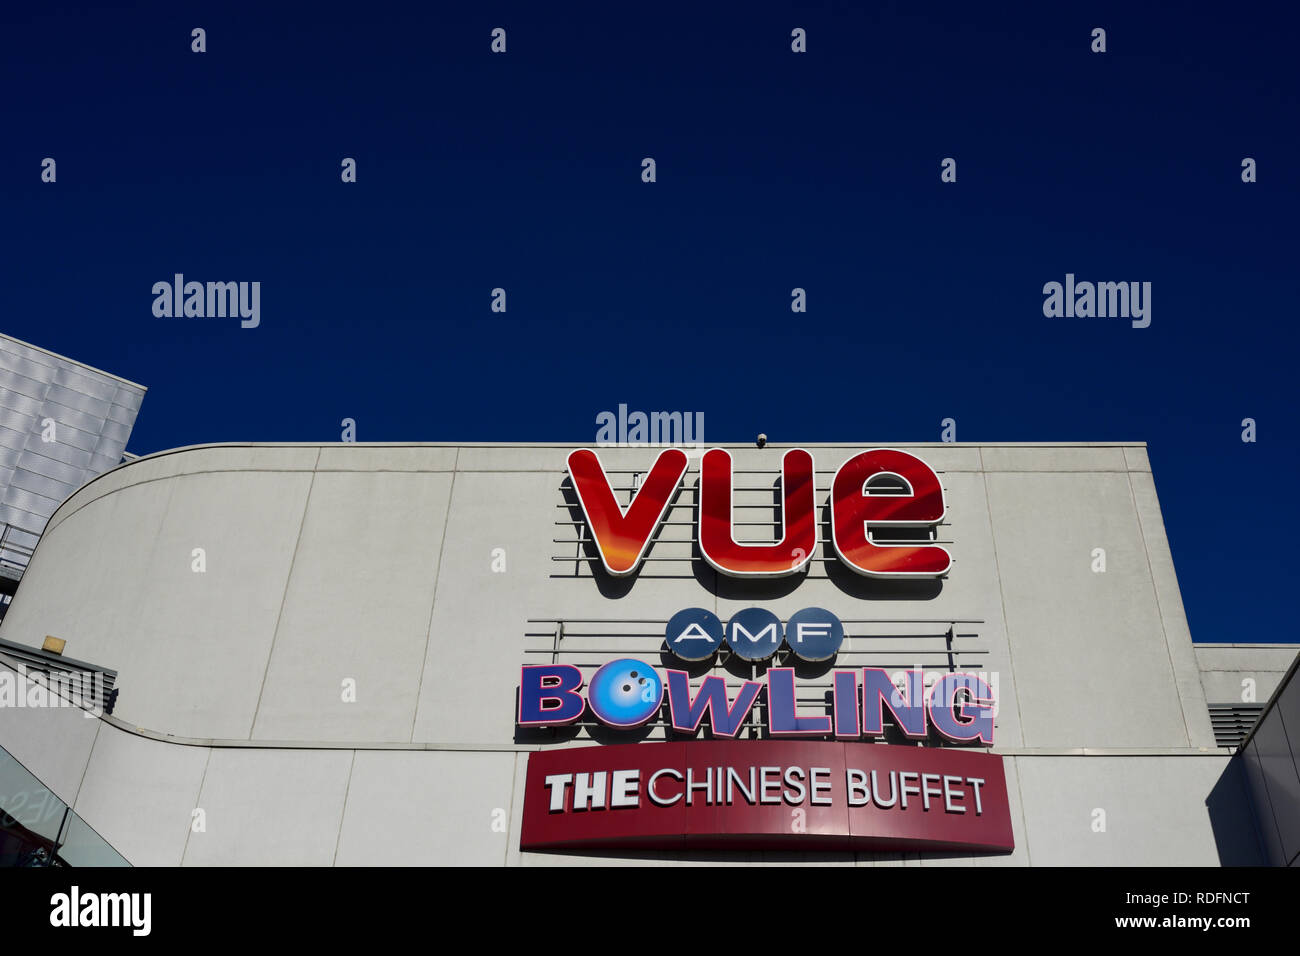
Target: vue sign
{"points": [[623, 536]]}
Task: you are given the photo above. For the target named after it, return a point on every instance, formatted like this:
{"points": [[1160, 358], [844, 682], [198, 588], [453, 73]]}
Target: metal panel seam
{"points": [[343, 814], [198, 797], [1155, 593], [284, 597], [1002, 598], [433, 604]]}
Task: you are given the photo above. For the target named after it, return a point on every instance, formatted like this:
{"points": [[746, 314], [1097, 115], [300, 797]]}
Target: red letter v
{"points": [[622, 538]]}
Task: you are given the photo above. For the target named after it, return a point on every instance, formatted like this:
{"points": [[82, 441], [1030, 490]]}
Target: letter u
{"points": [[717, 519]]}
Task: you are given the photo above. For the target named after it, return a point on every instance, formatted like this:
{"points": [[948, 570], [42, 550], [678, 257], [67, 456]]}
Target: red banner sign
{"points": [[766, 794]]}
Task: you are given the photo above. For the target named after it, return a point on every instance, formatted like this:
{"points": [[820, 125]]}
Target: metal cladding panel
{"points": [[97, 387], [1268, 829], [92, 415], [18, 402], [1275, 745]]}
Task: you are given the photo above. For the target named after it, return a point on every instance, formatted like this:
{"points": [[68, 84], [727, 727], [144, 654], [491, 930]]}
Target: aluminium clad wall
{"points": [[92, 414], [1270, 760]]}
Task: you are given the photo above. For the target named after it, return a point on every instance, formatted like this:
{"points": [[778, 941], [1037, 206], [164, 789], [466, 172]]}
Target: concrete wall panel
{"points": [[140, 794], [443, 808], [1081, 638], [1224, 668], [270, 807], [357, 609], [1155, 813], [53, 743]]}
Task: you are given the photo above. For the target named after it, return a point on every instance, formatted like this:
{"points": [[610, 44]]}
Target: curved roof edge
{"points": [[157, 455]]}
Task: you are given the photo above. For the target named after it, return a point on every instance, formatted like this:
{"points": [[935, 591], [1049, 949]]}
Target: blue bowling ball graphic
{"points": [[625, 692]]}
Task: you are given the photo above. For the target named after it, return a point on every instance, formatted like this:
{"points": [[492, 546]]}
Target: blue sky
{"points": [[775, 170]]}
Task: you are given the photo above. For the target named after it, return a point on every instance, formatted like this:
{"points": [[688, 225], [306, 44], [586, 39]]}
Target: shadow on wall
{"points": [[1233, 820], [1267, 768], [795, 856]]}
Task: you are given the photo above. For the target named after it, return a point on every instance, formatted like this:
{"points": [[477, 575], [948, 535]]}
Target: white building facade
{"points": [[320, 653]]}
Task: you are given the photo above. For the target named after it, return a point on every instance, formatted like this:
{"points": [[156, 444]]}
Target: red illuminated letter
{"points": [[854, 507], [622, 538], [798, 519]]}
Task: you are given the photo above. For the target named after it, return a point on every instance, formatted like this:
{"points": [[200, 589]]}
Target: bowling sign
{"points": [[627, 693]]}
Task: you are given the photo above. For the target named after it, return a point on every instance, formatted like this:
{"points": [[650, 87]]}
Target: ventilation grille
{"points": [[1232, 722], [67, 679]]}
